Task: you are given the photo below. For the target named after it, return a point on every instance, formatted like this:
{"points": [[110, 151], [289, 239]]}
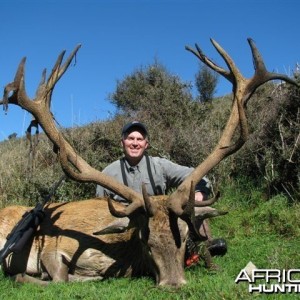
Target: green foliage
{"points": [[148, 86], [271, 155], [206, 82], [259, 216]]}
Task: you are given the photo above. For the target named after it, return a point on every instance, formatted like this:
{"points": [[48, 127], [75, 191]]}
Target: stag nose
{"points": [[173, 282]]}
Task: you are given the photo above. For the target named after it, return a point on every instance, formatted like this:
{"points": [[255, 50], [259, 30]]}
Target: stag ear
{"points": [[117, 226]]}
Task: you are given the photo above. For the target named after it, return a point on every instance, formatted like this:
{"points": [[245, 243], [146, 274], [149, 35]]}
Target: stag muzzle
{"points": [[172, 281], [170, 271]]}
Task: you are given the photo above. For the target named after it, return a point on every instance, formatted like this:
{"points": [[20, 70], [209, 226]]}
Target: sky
{"points": [[120, 36]]}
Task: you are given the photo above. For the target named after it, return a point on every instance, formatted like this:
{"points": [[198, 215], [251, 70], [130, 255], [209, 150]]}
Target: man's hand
{"points": [[199, 196]]}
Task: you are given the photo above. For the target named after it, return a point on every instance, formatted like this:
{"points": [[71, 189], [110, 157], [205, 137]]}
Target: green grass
{"points": [[264, 232]]}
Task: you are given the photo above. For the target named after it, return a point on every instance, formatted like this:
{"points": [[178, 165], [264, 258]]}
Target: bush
{"points": [[271, 154]]}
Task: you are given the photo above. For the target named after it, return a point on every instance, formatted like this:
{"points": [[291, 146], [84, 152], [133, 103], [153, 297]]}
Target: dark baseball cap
{"points": [[134, 124]]}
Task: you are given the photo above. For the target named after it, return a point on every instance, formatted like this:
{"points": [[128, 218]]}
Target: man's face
{"points": [[134, 144]]}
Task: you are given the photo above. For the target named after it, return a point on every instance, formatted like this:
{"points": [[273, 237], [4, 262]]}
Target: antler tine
{"points": [[41, 86], [20, 72], [262, 75], [55, 70], [17, 88], [258, 63], [207, 61], [234, 73], [59, 70]]}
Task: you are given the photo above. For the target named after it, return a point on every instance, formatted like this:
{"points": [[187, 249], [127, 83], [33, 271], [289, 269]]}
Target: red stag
{"points": [[148, 237]]}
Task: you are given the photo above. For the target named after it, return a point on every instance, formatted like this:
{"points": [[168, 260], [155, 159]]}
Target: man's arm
{"points": [[175, 175], [100, 191], [111, 170]]}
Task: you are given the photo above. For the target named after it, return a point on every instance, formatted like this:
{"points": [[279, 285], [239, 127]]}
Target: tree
{"points": [[206, 82], [148, 89]]}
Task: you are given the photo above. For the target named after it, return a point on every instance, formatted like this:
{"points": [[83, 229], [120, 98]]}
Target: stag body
{"points": [[65, 247]]}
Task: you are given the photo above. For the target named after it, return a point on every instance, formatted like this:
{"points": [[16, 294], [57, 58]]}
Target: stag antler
{"points": [[243, 89], [73, 165]]}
